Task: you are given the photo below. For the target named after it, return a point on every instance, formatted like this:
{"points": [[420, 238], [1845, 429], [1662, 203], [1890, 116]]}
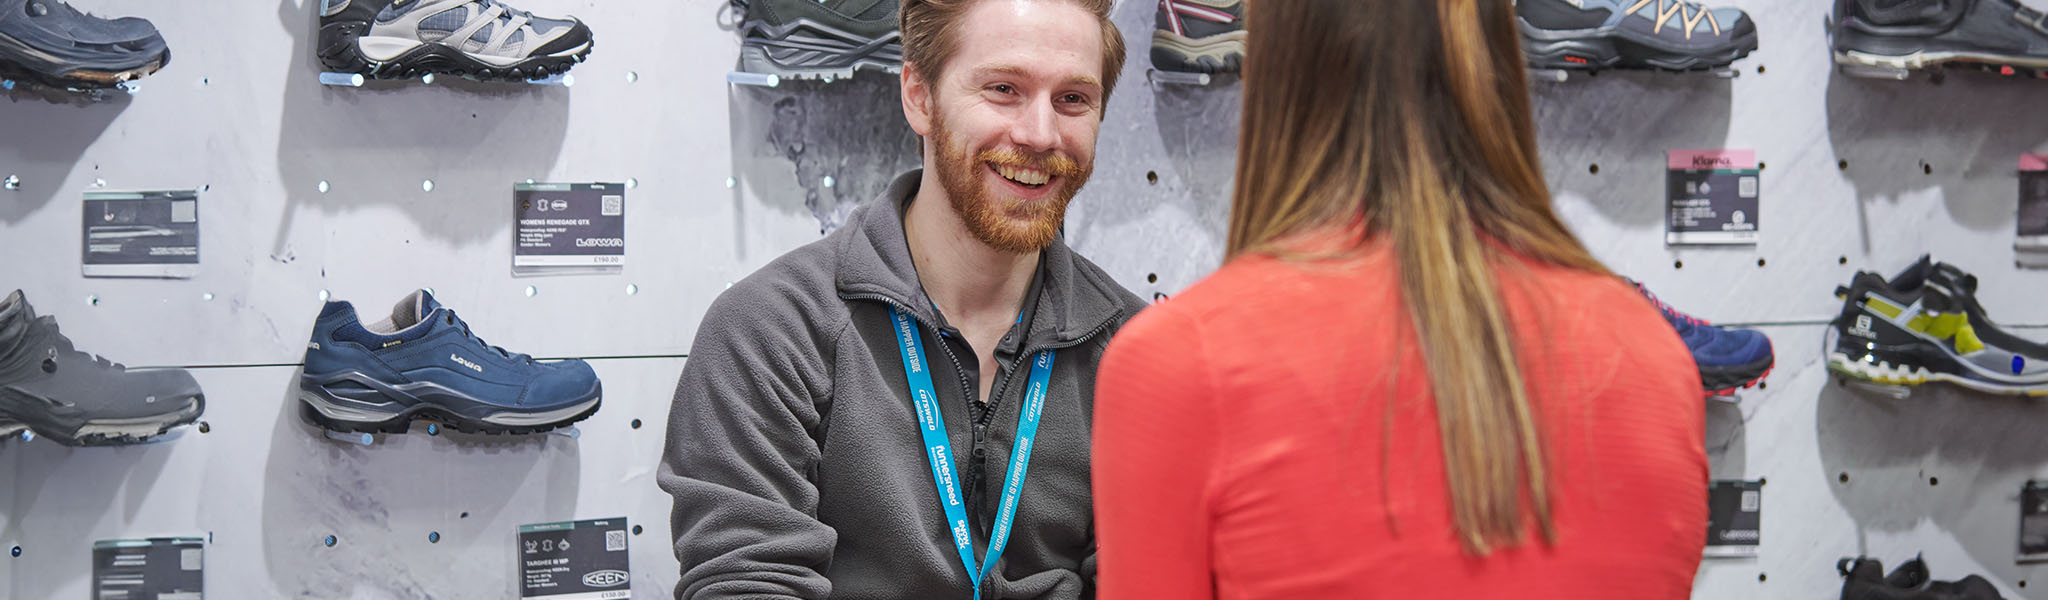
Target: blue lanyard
{"points": [[938, 447]]}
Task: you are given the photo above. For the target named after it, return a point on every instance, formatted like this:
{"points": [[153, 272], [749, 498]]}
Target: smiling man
{"points": [[902, 409]]}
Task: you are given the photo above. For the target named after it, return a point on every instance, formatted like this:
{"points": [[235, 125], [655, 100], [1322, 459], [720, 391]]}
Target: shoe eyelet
{"points": [[49, 365]]}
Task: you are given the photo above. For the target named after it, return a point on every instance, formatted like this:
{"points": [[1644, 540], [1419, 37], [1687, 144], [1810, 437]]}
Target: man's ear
{"points": [[917, 100]]}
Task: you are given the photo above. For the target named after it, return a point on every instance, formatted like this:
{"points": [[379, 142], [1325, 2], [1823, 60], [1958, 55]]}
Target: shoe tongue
{"points": [[15, 317], [413, 308], [15, 309], [1913, 276]]}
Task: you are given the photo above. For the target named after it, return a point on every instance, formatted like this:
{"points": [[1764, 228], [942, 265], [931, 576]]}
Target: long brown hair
{"points": [[1413, 119]]}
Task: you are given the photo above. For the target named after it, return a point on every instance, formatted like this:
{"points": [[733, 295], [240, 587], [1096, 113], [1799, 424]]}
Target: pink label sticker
{"points": [[2034, 162], [1709, 160]]}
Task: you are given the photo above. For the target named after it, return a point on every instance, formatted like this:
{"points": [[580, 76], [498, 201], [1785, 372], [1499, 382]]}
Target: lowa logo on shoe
{"points": [[472, 366]]}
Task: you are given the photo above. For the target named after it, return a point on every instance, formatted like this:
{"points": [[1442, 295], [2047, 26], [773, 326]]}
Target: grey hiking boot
{"points": [[1889, 39], [1669, 35], [1198, 36], [79, 399], [810, 39], [52, 44]]}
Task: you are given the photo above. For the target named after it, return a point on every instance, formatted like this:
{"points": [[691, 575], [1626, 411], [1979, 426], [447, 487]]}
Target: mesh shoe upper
{"points": [[1670, 20], [485, 28], [1196, 19]]}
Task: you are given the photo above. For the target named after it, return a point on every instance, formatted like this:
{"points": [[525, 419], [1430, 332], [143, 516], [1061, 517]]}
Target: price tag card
{"points": [[156, 568], [572, 226], [574, 560], [141, 234], [2032, 243], [1734, 518], [1712, 197], [2034, 522]]}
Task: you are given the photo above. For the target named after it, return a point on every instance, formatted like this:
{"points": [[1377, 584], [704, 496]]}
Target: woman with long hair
{"points": [[1409, 379]]}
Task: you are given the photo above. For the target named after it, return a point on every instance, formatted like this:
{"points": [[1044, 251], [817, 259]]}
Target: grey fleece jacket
{"points": [[794, 455]]}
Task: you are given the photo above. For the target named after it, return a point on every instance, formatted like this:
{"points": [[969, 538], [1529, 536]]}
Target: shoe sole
{"points": [[1220, 53], [1856, 63], [1613, 48], [15, 65], [807, 49], [101, 432], [1726, 381], [402, 404], [1886, 373], [341, 50]]}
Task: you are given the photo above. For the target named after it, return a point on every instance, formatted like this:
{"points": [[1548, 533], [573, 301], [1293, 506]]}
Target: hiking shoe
{"points": [[1863, 579], [1925, 325], [52, 44], [1728, 359], [1632, 34], [77, 399], [810, 39], [478, 39], [1891, 38], [1199, 36], [423, 362]]}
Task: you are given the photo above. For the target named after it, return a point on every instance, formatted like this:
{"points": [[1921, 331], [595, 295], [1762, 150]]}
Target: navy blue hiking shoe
{"points": [[1729, 359], [423, 362], [49, 43]]}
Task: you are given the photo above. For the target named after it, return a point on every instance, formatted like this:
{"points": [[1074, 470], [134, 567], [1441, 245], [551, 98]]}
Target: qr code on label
{"points": [[614, 206], [1747, 187], [614, 541], [1752, 501]]}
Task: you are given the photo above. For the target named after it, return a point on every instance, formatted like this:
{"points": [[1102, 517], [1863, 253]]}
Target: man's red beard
{"points": [[1006, 224]]}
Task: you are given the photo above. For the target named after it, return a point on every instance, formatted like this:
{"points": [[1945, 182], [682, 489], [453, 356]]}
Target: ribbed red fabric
{"points": [[1270, 433]]}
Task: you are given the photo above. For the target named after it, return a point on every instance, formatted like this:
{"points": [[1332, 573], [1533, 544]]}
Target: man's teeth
{"points": [[1023, 175]]}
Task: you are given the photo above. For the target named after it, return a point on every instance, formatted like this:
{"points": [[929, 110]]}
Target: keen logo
{"points": [[472, 366], [1862, 328], [605, 578], [391, 343]]}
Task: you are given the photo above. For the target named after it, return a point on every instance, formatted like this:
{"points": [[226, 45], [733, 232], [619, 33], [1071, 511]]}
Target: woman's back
{"points": [[1271, 433]]}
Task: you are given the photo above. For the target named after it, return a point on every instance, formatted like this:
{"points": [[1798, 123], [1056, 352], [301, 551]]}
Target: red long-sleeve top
{"points": [[1270, 433]]}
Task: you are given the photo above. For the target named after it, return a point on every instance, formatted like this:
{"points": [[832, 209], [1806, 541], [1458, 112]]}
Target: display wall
{"points": [[312, 190]]}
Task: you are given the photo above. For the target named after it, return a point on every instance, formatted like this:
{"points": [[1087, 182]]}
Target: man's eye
{"points": [[1003, 88]]}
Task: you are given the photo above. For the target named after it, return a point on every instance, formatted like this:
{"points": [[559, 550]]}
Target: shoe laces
{"points": [[456, 321], [1689, 319]]}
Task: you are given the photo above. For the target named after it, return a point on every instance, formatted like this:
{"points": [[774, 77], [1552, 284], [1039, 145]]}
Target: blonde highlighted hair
{"points": [[1413, 119]]}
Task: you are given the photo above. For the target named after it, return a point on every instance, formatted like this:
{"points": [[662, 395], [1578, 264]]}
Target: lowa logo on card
{"points": [[605, 578]]}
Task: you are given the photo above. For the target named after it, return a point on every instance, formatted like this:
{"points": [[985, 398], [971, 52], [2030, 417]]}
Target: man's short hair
{"points": [[931, 35]]}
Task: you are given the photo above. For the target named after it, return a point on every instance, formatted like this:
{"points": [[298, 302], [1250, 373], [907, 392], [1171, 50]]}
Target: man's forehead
{"points": [[1049, 39]]}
